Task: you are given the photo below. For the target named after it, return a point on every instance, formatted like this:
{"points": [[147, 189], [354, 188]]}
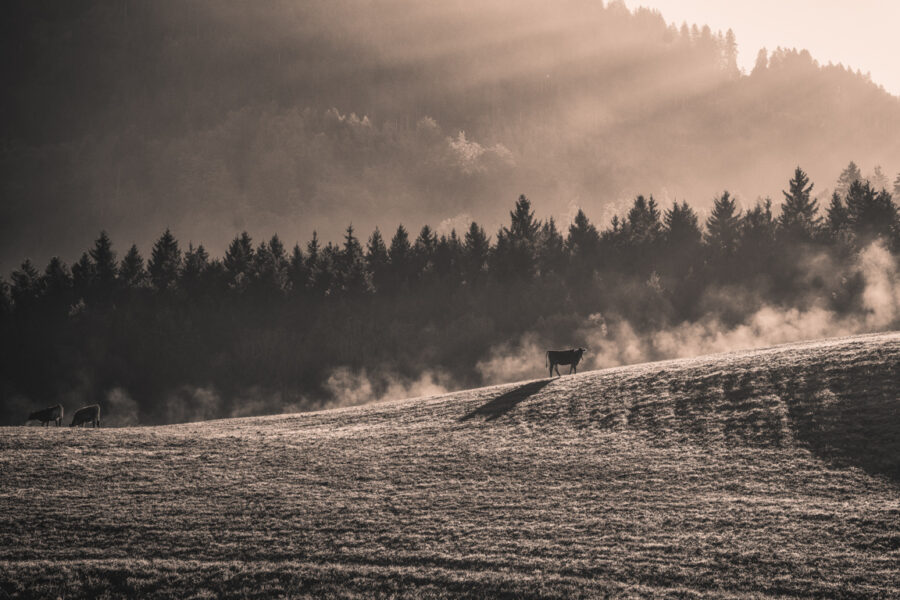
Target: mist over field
{"points": [[215, 117], [163, 159]]}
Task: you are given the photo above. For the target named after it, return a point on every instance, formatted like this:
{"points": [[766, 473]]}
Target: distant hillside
{"points": [[770, 473], [215, 116]]}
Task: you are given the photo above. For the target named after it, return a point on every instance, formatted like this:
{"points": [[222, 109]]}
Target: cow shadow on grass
{"points": [[502, 404]]}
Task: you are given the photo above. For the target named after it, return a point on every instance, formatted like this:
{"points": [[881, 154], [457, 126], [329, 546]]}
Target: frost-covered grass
{"points": [[764, 473]]}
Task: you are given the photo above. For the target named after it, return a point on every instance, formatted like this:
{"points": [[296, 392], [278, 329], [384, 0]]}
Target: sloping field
{"points": [[771, 473]]}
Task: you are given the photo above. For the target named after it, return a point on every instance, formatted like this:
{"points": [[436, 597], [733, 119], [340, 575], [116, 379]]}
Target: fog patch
{"points": [[121, 409], [346, 387], [188, 404], [613, 341]]}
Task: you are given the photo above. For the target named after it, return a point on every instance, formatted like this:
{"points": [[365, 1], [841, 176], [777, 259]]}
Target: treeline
{"points": [[268, 321]]}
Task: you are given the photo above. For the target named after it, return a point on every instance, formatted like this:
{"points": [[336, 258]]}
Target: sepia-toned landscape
{"points": [[409, 299]]}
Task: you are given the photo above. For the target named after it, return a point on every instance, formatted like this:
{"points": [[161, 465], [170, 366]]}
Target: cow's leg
{"points": [[557, 371], [551, 371]]}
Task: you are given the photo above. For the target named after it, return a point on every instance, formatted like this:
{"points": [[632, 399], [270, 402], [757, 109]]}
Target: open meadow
{"points": [[767, 473]]}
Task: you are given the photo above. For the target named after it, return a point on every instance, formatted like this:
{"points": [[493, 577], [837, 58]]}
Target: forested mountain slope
{"points": [[212, 117]]}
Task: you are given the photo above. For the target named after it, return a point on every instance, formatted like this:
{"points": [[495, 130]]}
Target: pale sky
{"points": [[862, 34]]}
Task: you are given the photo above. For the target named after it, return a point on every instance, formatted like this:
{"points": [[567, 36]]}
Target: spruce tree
{"points": [[400, 257], [194, 267], [583, 242], [730, 54], [269, 267], [723, 227], [377, 261], [551, 249], [879, 179], [761, 64], [132, 273], [298, 272], [837, 220], [799, 218], [423, 252], [516, 249], [165, 262], [57, 280], [26, 286], [475, 253], [351, 266], [238, 262], [681, 228], [848, 176], [870, 214], [82, 275], [643, 225], [104, 258]]}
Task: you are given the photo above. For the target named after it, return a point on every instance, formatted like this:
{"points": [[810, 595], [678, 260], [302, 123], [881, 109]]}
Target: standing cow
{"points": [[564, 357], [51, 413], [87, 414]]}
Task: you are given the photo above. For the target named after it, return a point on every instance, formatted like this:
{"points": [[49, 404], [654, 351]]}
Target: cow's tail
{"points": [[547, 359]]}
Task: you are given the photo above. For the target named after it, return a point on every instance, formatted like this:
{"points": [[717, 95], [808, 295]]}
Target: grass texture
{"points": [[768, 473]]}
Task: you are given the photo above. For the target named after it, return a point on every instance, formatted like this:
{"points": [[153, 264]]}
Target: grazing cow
{"points": [[87, 414], [51, 413], [564, 357]]}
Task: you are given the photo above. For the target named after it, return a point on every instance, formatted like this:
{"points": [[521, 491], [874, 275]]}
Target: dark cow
{"points": [[51, 413], [564, 357], [87, 414]]}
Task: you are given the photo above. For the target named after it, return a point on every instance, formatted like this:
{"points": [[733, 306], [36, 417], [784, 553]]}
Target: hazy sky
{"points": [[863, 34]]}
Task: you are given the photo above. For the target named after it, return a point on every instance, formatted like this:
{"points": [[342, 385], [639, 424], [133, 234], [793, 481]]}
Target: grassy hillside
{"points": [[764, 473]]}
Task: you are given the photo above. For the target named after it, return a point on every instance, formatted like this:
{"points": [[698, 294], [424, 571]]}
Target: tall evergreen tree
{"points": [[320, 267], [26, 286], [351, 268], [270, 267], [132, 273], [57, 280], [238, 262], [423, 252], [515, 255], [681, 228], [476, 251], [848, 176], [400, 257], [643, 224], [730, 55], [761, 64], [82, 275], [757, 236], [799, 218], [194, 268], [104, 258], [377, 261], [723, 227], [551, 250], [879, 179], [583, 244], [871, 214], [298, 272], [165, 262]]}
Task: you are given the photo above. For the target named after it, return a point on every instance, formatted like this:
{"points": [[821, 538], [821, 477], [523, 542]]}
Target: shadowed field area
{"points": [[770, 473]]}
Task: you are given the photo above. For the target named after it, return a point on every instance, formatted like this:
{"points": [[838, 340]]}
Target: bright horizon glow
{"points": [[863, 35]]}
